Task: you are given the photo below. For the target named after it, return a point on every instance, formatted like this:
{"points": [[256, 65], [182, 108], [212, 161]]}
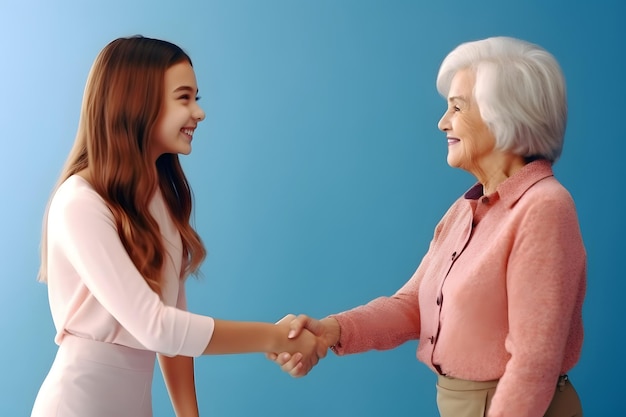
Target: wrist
{"points": [[279, 340], [333, 332]]}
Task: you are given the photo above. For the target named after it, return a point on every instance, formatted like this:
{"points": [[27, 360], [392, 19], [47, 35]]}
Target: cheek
{"points": [[474, 131], [464, 127], [473, 125], [168, 123], [477, 126], [471, 147]]}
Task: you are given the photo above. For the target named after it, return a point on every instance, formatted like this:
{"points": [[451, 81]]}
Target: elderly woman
{"points": [[496, 302]]}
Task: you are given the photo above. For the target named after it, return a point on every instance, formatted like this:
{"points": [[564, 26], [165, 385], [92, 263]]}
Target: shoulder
{"points": [[535, 183], [548, 191], [74, 197], [547, 205]]}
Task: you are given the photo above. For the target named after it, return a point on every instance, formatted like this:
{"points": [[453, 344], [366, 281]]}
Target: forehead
{"points": [[462, 84], [180, 75]]}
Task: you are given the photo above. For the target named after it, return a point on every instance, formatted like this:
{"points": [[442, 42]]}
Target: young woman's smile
{"points": [[180, 112]]}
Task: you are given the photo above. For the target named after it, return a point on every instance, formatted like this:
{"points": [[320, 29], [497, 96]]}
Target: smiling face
{"points": [[180, 113], [470, 142]]}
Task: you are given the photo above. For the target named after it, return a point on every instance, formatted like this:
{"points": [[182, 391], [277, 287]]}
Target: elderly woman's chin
{"points": [[454, 159]]}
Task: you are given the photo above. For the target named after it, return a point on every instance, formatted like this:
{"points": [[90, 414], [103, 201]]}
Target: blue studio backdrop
{"points": [[319, 175]]}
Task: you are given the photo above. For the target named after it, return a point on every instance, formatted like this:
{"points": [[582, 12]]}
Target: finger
{"points": [[296, 358], [283, 358], [292, 363], [271, 356], [296, 325], [298, 371]]}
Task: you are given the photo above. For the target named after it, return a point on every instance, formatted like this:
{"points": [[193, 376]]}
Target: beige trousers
{"points": [[462, 398]]}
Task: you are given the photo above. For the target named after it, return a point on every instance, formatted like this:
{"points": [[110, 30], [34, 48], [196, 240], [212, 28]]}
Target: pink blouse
{"points": [[498, 295], [96, 292]]}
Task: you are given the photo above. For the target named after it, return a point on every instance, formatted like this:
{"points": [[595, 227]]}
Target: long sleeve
{"points": [[545, 284], [95, 289], [383, 323]]}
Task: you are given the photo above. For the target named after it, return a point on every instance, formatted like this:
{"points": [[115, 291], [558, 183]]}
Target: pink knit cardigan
{"points": [[498, 295]]}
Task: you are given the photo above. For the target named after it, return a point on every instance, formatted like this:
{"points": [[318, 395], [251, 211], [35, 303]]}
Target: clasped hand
{"points": [[316, 337]]}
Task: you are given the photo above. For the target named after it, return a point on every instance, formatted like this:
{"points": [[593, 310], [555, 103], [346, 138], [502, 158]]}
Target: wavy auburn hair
{"points": [[121, 105]]}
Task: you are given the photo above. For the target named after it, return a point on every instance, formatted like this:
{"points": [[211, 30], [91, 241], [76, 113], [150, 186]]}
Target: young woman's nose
{"points": [[198, 113]]}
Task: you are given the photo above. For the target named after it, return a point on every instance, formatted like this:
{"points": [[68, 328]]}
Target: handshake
{"points": [[309, 340]]}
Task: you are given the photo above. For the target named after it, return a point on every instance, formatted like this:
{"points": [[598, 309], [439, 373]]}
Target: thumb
{"points": [[314, 326], [297, 324], [305, 322]]}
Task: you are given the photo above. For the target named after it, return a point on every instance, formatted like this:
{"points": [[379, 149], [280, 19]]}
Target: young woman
{"points": [[117, 246]]}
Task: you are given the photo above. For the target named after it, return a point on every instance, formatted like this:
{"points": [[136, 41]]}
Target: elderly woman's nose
{"points": [[444, 123]]}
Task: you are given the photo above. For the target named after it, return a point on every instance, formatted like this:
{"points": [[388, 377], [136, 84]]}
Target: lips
{"points": [[452, 141]]}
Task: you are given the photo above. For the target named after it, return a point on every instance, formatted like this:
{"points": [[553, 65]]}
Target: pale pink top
{"points": [[96, 292], [498, 295]]}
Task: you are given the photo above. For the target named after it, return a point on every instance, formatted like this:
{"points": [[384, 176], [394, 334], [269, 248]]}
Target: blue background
{"points": [[319, 175]]}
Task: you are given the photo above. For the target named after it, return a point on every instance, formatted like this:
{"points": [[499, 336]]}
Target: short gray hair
{"points": [[520, 91]]}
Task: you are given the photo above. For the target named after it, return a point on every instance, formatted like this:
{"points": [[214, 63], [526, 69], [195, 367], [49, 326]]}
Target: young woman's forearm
{"points": [[248, 337]]}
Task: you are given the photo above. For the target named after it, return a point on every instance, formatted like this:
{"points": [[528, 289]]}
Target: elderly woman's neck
{"points": [[494, 174]]}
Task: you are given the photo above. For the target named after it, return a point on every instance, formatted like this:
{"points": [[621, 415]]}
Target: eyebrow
{"points": [[185, 88], [458, 98]]}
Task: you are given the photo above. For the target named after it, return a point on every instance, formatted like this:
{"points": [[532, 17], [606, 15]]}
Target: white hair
{"points": [[520, 91]]}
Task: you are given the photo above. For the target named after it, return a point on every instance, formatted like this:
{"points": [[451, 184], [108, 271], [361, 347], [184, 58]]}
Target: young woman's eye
{"points": [[188, 97]]}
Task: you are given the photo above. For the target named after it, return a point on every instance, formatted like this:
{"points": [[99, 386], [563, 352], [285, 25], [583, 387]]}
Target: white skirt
{"points": [[97, 379]]}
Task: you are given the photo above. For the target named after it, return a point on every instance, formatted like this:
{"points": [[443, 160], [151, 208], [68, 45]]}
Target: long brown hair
{"points": [[121, 105]]}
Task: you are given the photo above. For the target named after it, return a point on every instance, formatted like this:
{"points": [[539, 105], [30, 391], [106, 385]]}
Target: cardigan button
{"points": [[432, 340]]}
